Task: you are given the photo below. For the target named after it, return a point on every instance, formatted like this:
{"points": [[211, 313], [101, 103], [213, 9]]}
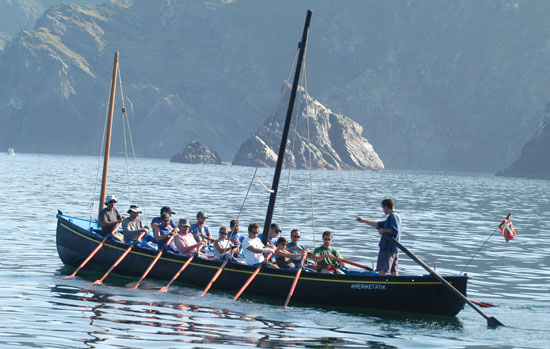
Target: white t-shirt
{"points": [[252, 257]]}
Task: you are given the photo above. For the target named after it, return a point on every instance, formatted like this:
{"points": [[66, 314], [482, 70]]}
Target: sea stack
{"points": [[332, 140], [196, 152]]}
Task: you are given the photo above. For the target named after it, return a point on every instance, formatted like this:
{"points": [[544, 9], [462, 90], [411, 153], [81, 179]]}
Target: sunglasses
{"points": [[296, 236], [222, 233], [327, 239]]}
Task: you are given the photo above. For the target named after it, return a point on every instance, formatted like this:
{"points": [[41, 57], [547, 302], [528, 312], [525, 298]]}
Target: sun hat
{"points": [[134, 208], [184, 222]]}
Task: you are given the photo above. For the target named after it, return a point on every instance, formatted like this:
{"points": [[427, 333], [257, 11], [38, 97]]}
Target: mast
{"points": [[282, 148], [108, 136]]}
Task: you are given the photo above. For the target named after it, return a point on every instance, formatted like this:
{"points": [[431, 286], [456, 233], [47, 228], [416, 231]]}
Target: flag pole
{"points": [[479, 249]]}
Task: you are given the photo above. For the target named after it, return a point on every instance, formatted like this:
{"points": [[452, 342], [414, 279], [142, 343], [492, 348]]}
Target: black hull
{"points": [[417, 294]]}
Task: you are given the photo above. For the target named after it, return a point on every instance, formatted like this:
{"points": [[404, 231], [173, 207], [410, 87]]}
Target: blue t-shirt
{"points": [[195, 230], [392, 222], [164, 231], [156, 220], [291, 245]]}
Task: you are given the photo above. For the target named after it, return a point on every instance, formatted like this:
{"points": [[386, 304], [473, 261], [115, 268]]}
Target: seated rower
{"points": [[184, 240], [274, 230], [109, 218], [164, 231], [294, 246], [234, 236], [223, 246], [132, 226], [285, 258], [155, 222], [328, 259], [200, 230], [253, 248]]}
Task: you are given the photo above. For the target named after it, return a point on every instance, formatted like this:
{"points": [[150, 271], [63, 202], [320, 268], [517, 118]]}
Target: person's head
{"points": [[184, 225], [327, 238], [223, 232], [165, 219], [167, 210], [234, 225], [295, 236], [281, 243], [110, 201], [387, 205], [201, 217], [253, 230], [274, 230], [134, 211]]}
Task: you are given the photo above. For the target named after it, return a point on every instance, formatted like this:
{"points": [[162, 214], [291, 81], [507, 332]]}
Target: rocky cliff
{"points": [[435, 84], [326, 139], [534, 161]]}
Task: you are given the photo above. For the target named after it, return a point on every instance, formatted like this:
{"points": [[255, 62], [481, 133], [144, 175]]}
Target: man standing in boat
{"points": [[109, 218], [388, 255]]}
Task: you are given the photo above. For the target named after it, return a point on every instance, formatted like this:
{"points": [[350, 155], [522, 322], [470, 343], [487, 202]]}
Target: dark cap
{"points": [[201, 214], [275, 227], [165, 217], [167, 209]]}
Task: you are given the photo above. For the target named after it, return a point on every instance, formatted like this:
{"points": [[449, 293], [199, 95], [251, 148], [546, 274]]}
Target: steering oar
{"points": [[491, 321]]}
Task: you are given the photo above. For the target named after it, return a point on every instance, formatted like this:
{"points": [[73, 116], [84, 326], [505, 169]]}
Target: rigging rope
{"points": [[297, 114], [126, 125], [269, 131], [309, 163]]}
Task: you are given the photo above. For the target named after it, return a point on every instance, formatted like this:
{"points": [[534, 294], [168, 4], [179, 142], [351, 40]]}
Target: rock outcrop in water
{"points": [[333, 141], [197, 153], [534, 161]]}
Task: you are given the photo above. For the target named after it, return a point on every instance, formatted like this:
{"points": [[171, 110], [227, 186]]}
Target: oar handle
{"points": [[357, 264]]}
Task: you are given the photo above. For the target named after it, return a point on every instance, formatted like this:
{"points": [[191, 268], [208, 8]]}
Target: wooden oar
{"points": [[100, 281], [295, 282], [220, 269], [153, 262], [72, 276], [165, 288], [357, 264], [491, 321], [251, 277]]}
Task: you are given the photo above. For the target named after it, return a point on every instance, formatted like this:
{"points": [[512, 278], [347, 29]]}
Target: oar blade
{"points": [[163, 289], [493, 322], [72, 277], [97, 282]]}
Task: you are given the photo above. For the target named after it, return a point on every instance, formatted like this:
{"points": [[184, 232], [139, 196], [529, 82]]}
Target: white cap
{"points": [[110, 198]]}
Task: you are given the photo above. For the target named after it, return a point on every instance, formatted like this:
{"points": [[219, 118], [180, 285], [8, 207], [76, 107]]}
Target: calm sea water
{"points": [[446, 218]]}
